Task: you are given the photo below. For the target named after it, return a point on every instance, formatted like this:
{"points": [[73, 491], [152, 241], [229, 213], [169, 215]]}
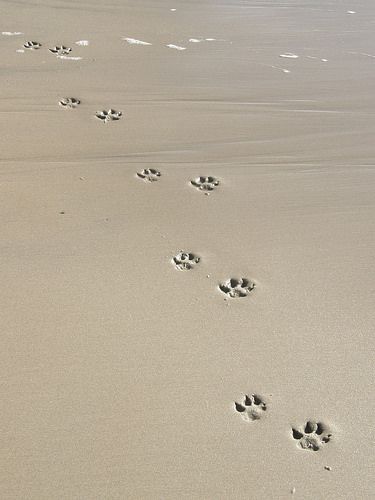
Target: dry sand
{"points": [[119, 372]]}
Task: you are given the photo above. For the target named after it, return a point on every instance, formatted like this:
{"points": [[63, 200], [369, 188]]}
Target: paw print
{"points": [[149, 174], [235, 288], [313, 436], [205, 183], [252, 407], [184, 261], [60, 50], [108, 116], [69, 102], [32, 45]]}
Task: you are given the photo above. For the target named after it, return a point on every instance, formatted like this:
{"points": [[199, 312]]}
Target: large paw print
{"points": [[236, 288], [69, 102], [205, 183], [149, 174], [251, 408], [184, 261], [32, 45], [313, 436], [60, 50], [108, 116]]}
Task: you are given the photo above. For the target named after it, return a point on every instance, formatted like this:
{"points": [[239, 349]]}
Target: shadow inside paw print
{"points": [[69, 102], [236, 288], [313, 436], [108, 116], [184, 261], [149, 174], [206, 184], [60, 50], [251, 408], [32, 45]]}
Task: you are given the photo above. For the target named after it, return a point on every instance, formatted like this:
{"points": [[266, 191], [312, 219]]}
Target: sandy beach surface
{"points": [[124, 377]]}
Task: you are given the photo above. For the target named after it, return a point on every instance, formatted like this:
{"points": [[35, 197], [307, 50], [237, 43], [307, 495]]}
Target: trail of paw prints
{"points": [[312, 436], [69, 102], [251, 408], [237, 288], [205, 184], [30, 45], [149, 174], [60, 50], [108, 116], [185, 261]]}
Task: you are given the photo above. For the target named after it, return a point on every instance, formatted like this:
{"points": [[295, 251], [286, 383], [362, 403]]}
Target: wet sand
{"points": [[120, 372]]}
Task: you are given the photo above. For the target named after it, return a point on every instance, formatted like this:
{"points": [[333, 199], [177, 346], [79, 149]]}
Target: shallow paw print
{"points": [[185, 261], [149, 174], [60, 50], [32, 45], [252, 407], [236, 288], [313, 436], [69, 102], [205, 184], [108, 116]]}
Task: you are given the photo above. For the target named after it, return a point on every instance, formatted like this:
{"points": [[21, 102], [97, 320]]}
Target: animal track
{"points": [[32, 45], [149, 174], [237, 287], [184, 261], [60, 50], [313, 436], [205, 183], [252, 407], [69, 102], [107, 116]]}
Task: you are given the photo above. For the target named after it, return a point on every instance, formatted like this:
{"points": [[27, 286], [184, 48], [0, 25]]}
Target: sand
{"points": [[120, 373]]}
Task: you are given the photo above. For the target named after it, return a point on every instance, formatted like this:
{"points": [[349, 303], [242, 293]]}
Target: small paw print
{"points": [[236, 288], [184, 261], [251, 408], [69, 102], [313, 436], [32, 45], [60, 50], [149, 174], [108, 116], [205, 183]]}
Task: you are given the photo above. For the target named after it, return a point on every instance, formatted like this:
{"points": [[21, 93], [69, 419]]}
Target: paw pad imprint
{"points": [[251, 408], [312, 436], [236, 288], [149, 174], [184, 261]]}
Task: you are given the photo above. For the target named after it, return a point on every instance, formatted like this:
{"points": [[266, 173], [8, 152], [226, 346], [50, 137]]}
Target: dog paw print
{"points": [[236, 288], [251, 408], [108, 116], [32, 45], [149, 174], [69, 102], [313, 436], [60, 50], [184, 261], [205, 184]]}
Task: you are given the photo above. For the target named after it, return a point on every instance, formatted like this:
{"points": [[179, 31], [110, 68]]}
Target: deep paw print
{"points": [[313, 436], [149, 174], [184, 261], [108, 116], [32, 45], [69, 102], [236, 288], [205, 184], [60, 50], [252, 407]]}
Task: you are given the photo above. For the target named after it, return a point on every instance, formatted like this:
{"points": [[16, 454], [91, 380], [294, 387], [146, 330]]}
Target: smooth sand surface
{"points": [[119, 372]]}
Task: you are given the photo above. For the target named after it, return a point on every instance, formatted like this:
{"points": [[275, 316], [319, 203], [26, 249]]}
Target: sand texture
{"points": [[187, 249]]}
